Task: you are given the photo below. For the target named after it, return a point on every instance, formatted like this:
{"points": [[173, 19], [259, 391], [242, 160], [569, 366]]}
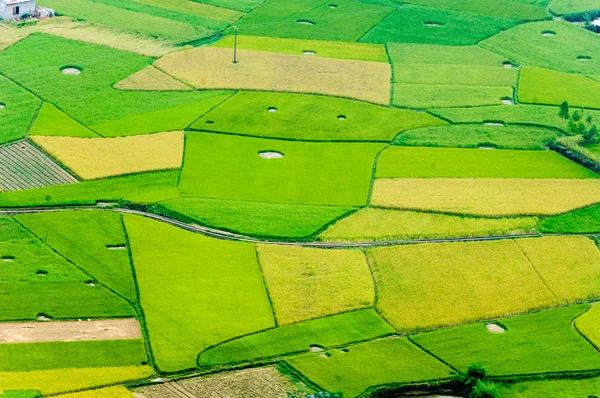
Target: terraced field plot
{"points": [[24, 166]]}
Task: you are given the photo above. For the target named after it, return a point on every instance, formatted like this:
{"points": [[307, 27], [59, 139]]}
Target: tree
{"points": [[577, 116], [563, 112], [484, 389], [591, 136], [589, 120]]}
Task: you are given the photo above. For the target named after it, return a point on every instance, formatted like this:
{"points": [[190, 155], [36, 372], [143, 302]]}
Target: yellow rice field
{"points": [[151, 78], [486, 196], [93, 158], [306, 283], [108, 392], [210, 67]]}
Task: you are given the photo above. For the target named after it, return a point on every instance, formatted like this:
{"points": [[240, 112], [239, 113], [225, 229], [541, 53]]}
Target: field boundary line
{"points": [[138, 303], [358, 40], [39, 110], [262, 275], [376, 288], [233, 93], [431, 354], [374, 175], [536, 271]]}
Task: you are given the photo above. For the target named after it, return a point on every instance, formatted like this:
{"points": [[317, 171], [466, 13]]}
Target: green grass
{"points": [[20, 108], [53, 122], [35, 63], [552, 388], [494, 8], [543, 86], [139, 18], [421, 162], [581, 221], [476, 135], [257, 218], [526, 45], [326, 332], [169, 119], [442, 96], [144, 188], [240, 5], [195, 291], [371, 224], [562, 7], [428, 286], [411, 53], [228, 167], [455, 75], [523, 114], [84, 238], [386, 361], [52, 285], [247, 113], [328, 49], [279, 18], [408, 25], [78, 354], [528, 338]]}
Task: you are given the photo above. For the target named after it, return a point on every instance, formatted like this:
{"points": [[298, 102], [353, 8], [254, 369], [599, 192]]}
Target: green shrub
{"points": [[484, 389]]}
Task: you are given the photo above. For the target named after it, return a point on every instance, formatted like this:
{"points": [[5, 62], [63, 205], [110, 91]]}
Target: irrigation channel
{"points": [[226, 235]]}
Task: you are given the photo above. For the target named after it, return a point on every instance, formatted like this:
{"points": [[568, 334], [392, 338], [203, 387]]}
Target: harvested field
{"points": [[58, 381], [23, 166], [151, 79], [372, 224], [249, 383], [307, 283], [256, 70], [35, 332], [93, 158], [486, 196]]}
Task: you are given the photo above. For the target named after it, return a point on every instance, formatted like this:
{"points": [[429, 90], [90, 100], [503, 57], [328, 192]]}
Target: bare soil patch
{"points": [[71, 71], [32, 332], [270, 155], [495, 328]]}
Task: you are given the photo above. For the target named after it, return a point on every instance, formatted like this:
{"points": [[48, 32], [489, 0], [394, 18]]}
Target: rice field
{"points": [[363, 80], [52, 122], [486, 196], [502, 8], [587, 325], [19, 108], [151, 79], [561, 7], [24, 166], [94, 158], [583, 221], [307, 283]]}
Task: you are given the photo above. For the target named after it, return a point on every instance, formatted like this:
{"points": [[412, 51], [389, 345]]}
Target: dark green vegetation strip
{"points": [[74, 354], [195, 291], [93, 240], [358, 367], [415, 24], [582, 221], [478, 135], [89, 98], [18, 109], [534, 343], [257, 218], [24, 166], [313, 19], [147, 187], [321, 333], [306, 117], [419, 162], [52, 285], [229, 167]]}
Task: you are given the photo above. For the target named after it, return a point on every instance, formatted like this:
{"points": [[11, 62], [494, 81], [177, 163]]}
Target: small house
{"points": [[15, 9]]}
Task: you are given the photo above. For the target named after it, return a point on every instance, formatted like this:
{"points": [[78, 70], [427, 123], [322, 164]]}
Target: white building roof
{"points": [[11, 2]]}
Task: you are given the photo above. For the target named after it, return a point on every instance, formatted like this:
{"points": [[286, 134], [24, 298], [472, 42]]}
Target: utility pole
{"points": [[235, 29]]}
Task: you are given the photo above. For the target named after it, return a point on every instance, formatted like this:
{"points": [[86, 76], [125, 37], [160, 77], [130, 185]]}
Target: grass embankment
{"points": [[418, 284], [86, 238], [195, 291], [478, 135], [321, 333], [309, 173], [321, 118], [273, 220], [419, 162], [416, 24], [364, 365], [371, 224], [259, 70], [547, 334], [486, 196], [307, 283], [95, 158]]}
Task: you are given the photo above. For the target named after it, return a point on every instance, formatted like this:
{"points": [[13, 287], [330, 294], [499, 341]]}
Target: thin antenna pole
{"points": [[235, 29]]}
